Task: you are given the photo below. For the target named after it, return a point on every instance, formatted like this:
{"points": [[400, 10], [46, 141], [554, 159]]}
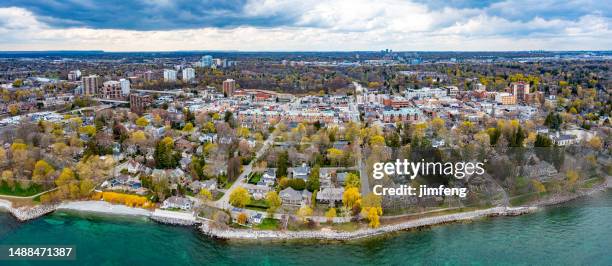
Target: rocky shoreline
{"points": [[206, 227], [27, 213], [240, 234]]}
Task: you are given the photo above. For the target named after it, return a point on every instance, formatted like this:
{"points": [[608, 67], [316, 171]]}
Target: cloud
{"points": [[258, 25]]}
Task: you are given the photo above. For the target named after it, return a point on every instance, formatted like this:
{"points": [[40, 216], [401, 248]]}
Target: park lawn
{"points": [[268, 224], [18, 191]]}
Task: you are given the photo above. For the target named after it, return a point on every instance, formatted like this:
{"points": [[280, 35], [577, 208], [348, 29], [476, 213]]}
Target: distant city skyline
{"points": [[252, 25]]}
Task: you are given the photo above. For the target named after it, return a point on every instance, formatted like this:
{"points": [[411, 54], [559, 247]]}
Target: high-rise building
{"points": [[520, 90], [91, 84], [74, 75], [169, 75], [139, 103], [229, 85], [125, 86], [207, 61], [188, 74], [147, 75], [111, 90]]}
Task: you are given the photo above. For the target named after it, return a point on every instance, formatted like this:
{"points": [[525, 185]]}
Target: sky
{"points": [[306, 25]]}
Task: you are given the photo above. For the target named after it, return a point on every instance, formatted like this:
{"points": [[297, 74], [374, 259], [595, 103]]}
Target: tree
{"points": [[304, 212], [90, 130], [297, 183], [377, 140], [142, 122], [334, 155], [188, 127], [373, 216], [243, 132], [595, 143], [282, 163], [539, 187], [42, 172], [86, 186], [242, 218], [66, 177], [274, 201], [313, 182], [352, 180], [164, 155], [572, 177], [372, 209], [205, 195], [330, 214], [351, 197], [240, 197], [542, 141]]}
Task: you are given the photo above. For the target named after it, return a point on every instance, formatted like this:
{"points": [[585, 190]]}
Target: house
{"points": [[330, 195], [175, 202], [341, 178], [436, 143], [300, 172], [197, 185], [269, 177], [258, 192], [564, 140], [256, 219], [325, 177], [290, 196], [184, 162], [208, 138], [183, 145]]}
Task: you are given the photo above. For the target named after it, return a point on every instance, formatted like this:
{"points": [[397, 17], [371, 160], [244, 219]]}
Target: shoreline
{"points": [[242, 234], [207, 228]]}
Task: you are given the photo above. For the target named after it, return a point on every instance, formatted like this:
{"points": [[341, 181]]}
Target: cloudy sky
{"points": [[306, 25]]}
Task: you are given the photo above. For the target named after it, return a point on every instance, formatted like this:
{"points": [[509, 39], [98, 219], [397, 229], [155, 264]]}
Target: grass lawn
{"points": [[590, 183], [254, 178], [268, 224], [258, 205], [522, 199], [218, 195], [346, 227], [18, 191]]}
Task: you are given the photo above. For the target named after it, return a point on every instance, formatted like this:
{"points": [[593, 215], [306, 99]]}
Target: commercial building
{"points": [[91, 84], [169, 75], [139, 103], [207, 61], [125, 86], [229, 85], [520, 90], [188, 74], [74, 75], [111, 90], [505, 98]]}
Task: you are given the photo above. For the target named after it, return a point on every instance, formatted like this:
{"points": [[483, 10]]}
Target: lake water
{"points": [[575, 233]]}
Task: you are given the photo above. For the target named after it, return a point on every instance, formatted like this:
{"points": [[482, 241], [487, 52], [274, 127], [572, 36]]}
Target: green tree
{"points": [[313, 182]]}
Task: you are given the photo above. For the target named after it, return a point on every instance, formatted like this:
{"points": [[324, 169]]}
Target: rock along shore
{"points": [[242, 234], [27, 213]]}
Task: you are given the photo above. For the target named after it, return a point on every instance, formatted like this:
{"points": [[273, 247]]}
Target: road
{"points": [[223, 202], [363, 175]]}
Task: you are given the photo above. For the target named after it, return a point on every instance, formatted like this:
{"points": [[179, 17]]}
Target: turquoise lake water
{"points": [[575, 233]]}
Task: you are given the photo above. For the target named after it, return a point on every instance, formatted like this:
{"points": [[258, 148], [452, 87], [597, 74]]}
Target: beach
{"points": [[103, 207]]}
